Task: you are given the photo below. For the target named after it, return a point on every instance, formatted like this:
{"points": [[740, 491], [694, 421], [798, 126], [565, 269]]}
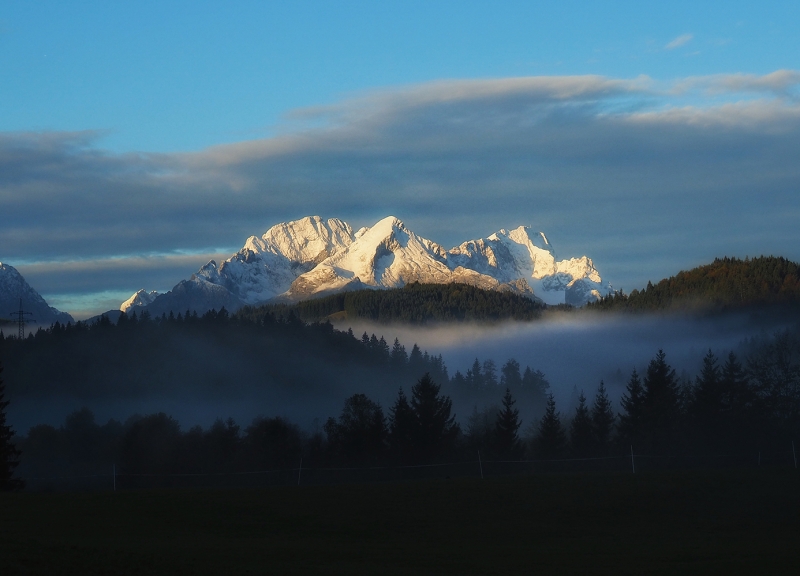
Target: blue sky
{"points": [[137, 140]]}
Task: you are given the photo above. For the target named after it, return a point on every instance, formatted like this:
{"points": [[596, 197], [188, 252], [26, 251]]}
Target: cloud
{"points": [[646, 177], [681, 40], [781, 82]]}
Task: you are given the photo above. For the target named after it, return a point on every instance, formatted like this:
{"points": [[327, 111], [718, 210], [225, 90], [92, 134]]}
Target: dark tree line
{"points": [[415, 303], [9, 453], [725, 283], [729, 408], [732, 405], [211, 355]]}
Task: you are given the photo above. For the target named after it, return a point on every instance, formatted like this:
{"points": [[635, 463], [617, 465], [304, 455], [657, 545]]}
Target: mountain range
{"points": [[313, 257]]}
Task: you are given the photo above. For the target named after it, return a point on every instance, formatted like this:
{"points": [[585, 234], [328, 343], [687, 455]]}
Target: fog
{"points": [[197, 381], [576, 351]]}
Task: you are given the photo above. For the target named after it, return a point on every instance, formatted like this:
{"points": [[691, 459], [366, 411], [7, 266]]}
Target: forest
{"points": [[415, 303], [395, 406], [726, 283]]}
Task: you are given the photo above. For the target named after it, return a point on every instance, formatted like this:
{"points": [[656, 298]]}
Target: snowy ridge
{"points": [[140, 299], [312, 257], [13, 287]]}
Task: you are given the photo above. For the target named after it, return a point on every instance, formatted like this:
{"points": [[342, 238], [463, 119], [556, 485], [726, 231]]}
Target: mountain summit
{"points": [[13, 287], [312, 257]]}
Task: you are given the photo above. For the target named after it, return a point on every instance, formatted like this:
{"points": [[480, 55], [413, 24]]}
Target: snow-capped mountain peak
{"points": [[139, 299], [311, 257], [13, 288]]}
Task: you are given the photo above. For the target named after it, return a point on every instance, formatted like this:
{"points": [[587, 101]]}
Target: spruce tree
{"points": [[535, 386], [737, 399], [360, 432], [581, 437], [436, 429], [475, 376], [480, 428], [510, 376], [550, 440], [602, 420], [661, 403], [506, 429], [399, 357], [489, 375], [706, 401], [631, 420], [9, 455], [402, 427]]}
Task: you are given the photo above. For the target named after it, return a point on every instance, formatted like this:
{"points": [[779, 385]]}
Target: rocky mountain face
{"points": [[13, 287], [312, 257]]}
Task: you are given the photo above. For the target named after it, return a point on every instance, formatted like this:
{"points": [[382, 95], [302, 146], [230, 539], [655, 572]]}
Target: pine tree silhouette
{"points": [[551, 438], [581, 437], [506, 429], [602, 420], [9, 455]]}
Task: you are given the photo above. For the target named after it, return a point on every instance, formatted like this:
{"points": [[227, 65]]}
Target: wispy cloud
{"points": [[780, 83], [681, 40]]}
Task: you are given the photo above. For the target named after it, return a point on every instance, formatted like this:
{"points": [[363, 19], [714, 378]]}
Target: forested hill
{"points": [[415, 303], [726, 283]]}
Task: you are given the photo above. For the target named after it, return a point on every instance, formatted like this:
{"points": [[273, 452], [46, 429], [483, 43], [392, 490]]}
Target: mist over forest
{"points": [[576, 351], [234, 370], [211, 394]]}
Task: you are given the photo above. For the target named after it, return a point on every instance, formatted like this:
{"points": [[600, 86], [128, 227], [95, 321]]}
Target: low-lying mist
{"points": [[577, 351], [236, 371]]}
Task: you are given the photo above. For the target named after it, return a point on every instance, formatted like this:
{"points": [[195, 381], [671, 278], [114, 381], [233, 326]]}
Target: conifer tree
{"points": [[581, 438], [415, 361], [436, 429], [402, 427], [475, 376], [510, 375], [550, 439], [705, 400], [631, 420], [489, 374], [734, 386], [480, 428], [360, 432], [506, 429], [602, 419], [9, 455], [661, 403], [399, 357], [536, 386]]}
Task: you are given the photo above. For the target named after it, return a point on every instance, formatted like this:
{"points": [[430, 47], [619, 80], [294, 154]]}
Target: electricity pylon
{"points": [[20, 314]]}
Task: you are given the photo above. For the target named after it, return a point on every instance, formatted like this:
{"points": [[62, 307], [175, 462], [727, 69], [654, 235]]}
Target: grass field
{"points": [[716, 522]]}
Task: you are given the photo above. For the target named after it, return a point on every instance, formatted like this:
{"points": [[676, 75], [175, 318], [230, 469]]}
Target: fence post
{"points": [[633, 466], [480, 463], [114, 474], [794, 456], [299, 471]]}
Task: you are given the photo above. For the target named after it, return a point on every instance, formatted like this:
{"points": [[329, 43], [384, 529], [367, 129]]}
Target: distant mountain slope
{"points": [[725, 283], [415, 303], [13, 287], [312, 257]]}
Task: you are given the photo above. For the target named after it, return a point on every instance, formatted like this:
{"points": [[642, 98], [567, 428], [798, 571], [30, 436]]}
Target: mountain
{"points": [[139, 299], [313, 257], [13, 287]]}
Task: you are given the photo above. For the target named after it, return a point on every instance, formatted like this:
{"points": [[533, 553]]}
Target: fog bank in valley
{"points": [[229, 374], [576, 351]]}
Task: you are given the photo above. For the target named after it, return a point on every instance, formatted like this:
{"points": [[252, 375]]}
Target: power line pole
{"points": [[20, 314]]}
